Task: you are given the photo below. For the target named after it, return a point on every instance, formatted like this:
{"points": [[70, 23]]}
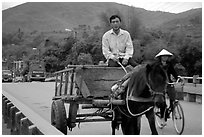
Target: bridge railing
{"points": [[195, 79], [22, 120], [191, 91]]}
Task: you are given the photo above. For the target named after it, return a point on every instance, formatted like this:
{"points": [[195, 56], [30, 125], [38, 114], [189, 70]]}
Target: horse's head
{"points": [[148, 80], [156, 81]]}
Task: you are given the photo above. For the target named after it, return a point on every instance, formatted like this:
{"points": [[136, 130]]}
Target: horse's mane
{"points": [[138, 79]]}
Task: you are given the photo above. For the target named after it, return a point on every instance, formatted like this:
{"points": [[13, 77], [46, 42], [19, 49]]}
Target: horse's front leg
{"points": [[116, 122], [131, 126], [151, 119], [113, 126]]}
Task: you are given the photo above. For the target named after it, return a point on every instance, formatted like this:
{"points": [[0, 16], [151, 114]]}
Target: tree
{"points": [[191, 58], [84, 59], [52, 64], [133, 23], [51, 59]]}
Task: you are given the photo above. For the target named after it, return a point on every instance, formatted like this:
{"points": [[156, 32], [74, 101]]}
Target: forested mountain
{"points": [[49, 16], [43, 24]]}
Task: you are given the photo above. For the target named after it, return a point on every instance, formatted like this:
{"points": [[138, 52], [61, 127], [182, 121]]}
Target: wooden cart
{"points": [[85, 87]]}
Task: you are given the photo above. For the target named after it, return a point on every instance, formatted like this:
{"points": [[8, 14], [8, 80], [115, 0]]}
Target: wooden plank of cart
{"points": [[85, 87]]}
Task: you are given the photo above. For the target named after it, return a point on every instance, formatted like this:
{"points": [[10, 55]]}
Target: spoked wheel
{"points": [[178, 118], [158, 117], [58, 116]]}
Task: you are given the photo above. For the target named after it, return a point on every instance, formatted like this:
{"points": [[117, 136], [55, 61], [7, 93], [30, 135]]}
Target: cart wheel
{"points": [[58, 116]]}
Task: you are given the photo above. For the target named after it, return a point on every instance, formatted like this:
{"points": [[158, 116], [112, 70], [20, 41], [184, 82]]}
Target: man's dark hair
{"points": [[113, 17]]}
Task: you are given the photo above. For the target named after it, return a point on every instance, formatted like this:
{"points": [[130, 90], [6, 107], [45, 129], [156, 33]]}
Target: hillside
{"points": [[42, 26], [49, 16], [189, 23], [188, 18]]}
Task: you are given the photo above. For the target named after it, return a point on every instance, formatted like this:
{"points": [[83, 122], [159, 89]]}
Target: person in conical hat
{"points": [[164, 58], [164, 52]]}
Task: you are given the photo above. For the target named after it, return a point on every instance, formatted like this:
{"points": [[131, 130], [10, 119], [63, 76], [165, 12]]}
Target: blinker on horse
{"points": [[145, 89]]}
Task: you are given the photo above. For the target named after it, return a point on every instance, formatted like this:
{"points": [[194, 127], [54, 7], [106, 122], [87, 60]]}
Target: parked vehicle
{"points": [[18, 79], [36, 72], [36, 75], [7, 76]]}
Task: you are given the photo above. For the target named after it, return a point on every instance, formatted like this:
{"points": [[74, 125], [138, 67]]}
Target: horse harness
{"points": [[153, 94]]}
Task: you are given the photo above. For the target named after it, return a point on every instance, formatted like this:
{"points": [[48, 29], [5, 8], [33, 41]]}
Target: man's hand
{"points": [[125, 61], [115, 58], [181, 80]]}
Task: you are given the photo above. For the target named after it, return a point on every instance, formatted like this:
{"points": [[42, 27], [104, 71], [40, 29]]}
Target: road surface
{"points": [[38, 96]]}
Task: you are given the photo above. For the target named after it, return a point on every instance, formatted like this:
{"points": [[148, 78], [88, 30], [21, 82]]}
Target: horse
{"points": [[145, 89]]}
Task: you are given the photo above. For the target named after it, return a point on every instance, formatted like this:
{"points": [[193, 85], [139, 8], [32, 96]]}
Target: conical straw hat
{"points": [[164, 52]]}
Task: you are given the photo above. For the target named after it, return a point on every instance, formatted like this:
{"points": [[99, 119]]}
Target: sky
{"points": [[173, 6]]}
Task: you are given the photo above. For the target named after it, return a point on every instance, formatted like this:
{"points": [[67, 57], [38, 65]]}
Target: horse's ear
{"points": [[148, 67]]}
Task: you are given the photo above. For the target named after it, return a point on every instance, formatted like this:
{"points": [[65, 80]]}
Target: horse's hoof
{"points": [[163, 124], [117, 127]]}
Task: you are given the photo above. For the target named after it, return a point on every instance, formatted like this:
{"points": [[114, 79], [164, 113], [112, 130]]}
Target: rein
{"points": [[139, 99], [142, 99], [151, 90]]}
